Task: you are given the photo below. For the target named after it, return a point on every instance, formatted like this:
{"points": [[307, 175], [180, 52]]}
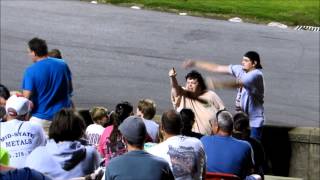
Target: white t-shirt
{"points": [[93, 133], [152, 129], [19, 138], [185, 156]]}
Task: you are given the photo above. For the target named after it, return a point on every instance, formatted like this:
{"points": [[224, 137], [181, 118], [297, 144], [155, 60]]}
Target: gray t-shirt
{"points": [[251, 94]]}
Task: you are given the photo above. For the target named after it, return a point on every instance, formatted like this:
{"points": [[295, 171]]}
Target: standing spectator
{"points": [[146, 110], [250, 84], [56, 53], [4, 95], [187, 118], [241, 130], [47, 82], [184, 154], [136, 163], [99, 115], [226, 154], [18, 136], [195, 95], [64, 157], [111, 143]]}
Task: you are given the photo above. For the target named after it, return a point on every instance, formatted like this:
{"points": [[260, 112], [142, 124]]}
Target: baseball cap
{"points": [[133, 129], [18, 105]]}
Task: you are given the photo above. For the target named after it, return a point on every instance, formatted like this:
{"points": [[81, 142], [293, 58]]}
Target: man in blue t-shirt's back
{"points": [[47, 83], [226, 154]]}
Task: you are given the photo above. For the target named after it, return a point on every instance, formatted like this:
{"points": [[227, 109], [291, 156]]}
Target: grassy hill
{"points": [[290, 12]]}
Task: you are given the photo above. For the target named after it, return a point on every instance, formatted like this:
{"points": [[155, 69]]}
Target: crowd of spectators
{"points": [[44, 137]]}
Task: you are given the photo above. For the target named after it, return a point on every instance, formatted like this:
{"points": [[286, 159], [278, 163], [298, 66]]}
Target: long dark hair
{"points": [[196, 75], [4, 92], [187, 117], [122, 111]]}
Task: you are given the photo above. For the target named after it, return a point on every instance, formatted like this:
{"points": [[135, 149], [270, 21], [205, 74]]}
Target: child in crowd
{"points": [[99, 116], [187, 116], [111, 143], [146, 109], [55, 53]]}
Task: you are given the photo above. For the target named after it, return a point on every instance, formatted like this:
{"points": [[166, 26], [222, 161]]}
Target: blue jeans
{"points": [[256, 132]]}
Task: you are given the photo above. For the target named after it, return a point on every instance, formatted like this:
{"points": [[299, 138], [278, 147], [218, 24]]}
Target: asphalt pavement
{"points": [[122, 54]]}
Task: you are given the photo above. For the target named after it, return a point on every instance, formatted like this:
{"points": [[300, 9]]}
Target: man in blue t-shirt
{"points": [[226, 154], [47, 82], [249, 82]]}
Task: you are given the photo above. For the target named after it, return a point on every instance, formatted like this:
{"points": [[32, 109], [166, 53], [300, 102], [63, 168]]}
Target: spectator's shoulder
{"points": [[243, 143], [114, 162], [158, 159], [32, 125], [205, 138], [193, 139]]}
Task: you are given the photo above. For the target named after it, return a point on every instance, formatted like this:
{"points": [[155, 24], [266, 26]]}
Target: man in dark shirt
{"points": [[136, 163]]}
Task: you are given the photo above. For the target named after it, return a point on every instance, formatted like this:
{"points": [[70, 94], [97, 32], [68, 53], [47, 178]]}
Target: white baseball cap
{"points": [[18, 105]]}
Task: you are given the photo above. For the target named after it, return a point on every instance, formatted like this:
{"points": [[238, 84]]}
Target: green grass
{"points": [[290, 12]]}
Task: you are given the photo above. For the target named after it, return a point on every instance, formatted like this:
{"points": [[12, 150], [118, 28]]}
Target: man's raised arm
{"points": [[215, 84], [175, 87], [211, 67]]}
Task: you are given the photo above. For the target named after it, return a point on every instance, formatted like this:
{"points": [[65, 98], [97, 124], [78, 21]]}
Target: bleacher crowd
{"points": [[43, 136]]}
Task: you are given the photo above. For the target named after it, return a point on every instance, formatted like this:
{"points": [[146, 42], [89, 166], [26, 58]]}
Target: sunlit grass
{"points": [[290, 12]]}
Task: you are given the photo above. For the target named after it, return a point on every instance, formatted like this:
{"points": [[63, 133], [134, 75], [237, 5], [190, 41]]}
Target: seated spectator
{"points": [[64, 156], [184, 154], [111, 143], [187, 117], [146, 110], [241, 130], [99, 116], [226, 154], [18, 136], [23, 173], [136, 163], [4, 95], [55, 53]]}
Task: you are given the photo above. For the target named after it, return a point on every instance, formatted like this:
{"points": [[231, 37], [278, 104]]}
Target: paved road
{"points": [[124, 54]]}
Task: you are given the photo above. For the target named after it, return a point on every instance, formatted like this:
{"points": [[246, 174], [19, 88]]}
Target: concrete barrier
{"points": [[269, 177], [292, 152], [305, 155]]}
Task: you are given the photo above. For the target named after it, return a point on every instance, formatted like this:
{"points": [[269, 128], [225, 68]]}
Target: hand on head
{"points": [[188, 63]]}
